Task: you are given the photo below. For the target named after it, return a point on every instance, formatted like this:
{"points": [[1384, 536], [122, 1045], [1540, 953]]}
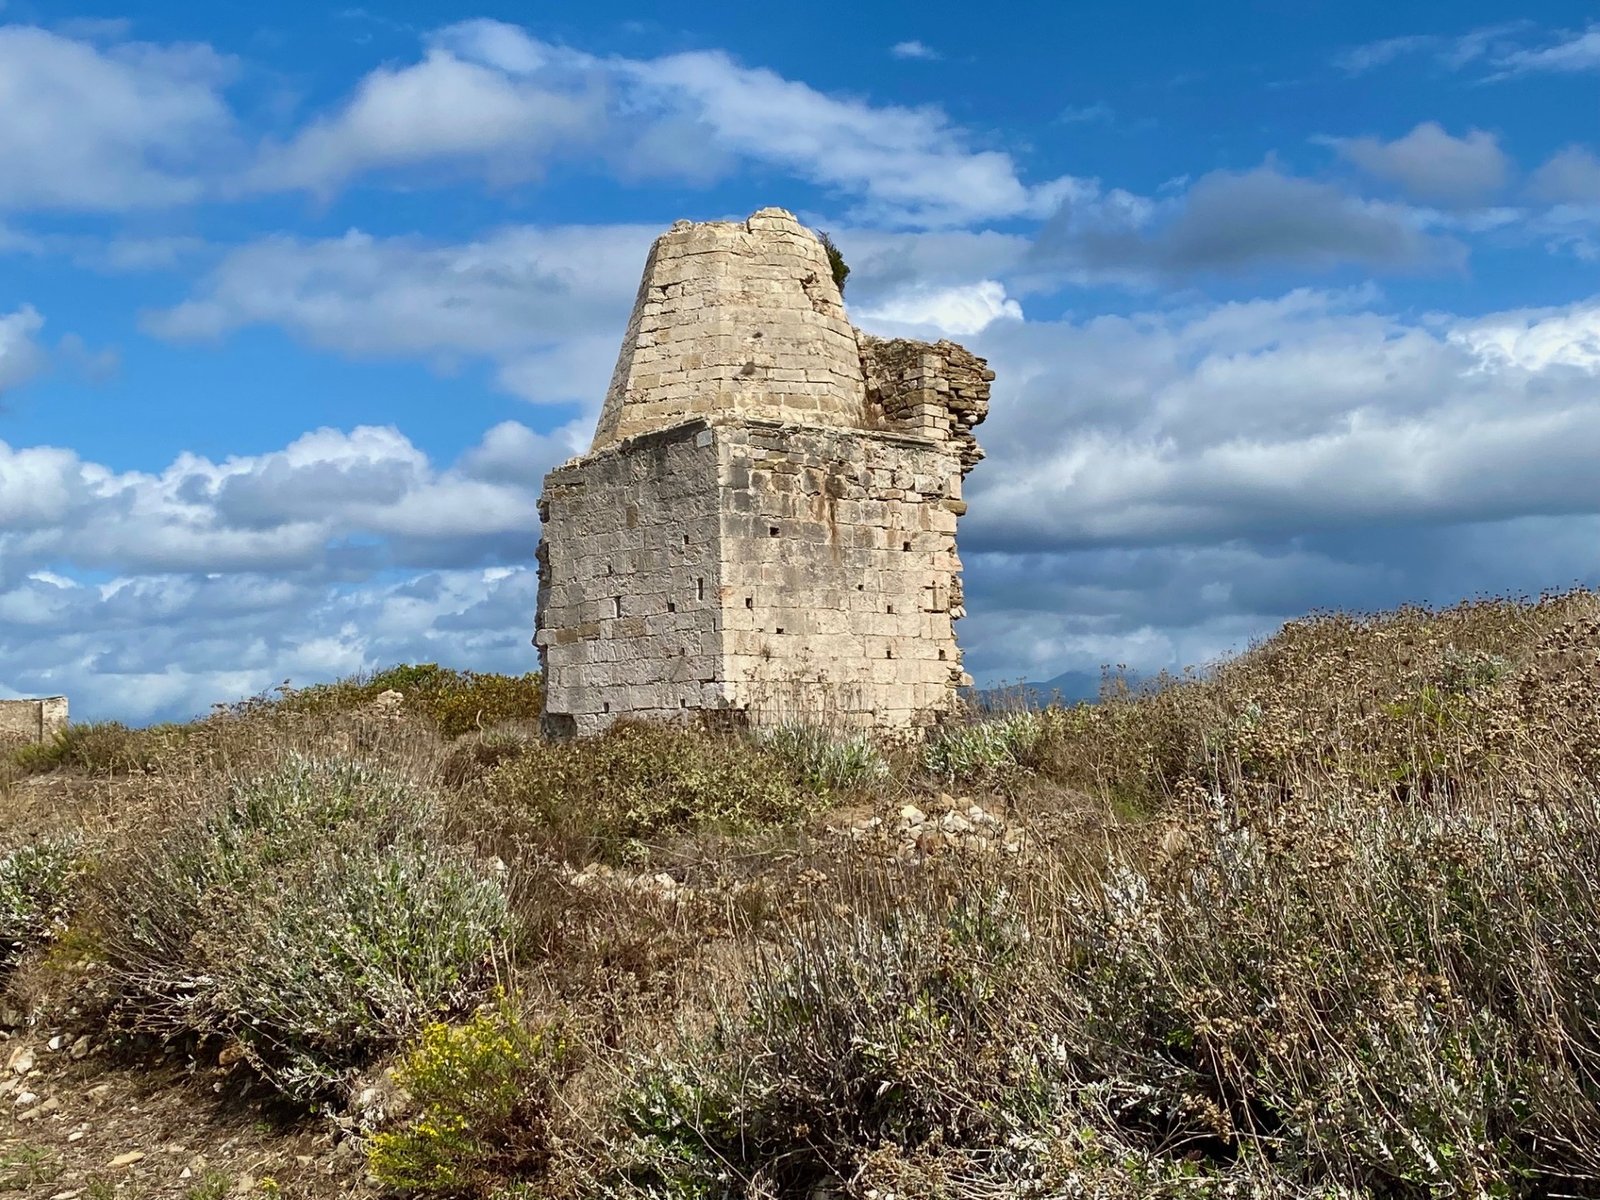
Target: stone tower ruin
{"points": [[765, 525]]}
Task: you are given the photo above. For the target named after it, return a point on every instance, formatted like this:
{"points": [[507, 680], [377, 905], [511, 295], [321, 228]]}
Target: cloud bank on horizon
{"points": [[294, 315]]}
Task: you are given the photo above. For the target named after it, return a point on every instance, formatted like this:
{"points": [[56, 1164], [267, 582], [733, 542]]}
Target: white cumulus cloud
{"points": [[93, 127], [21, 355], [956, 311], [491, 99]]}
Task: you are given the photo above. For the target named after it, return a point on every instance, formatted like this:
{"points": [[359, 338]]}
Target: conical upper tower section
{"points": [[736, 318]]}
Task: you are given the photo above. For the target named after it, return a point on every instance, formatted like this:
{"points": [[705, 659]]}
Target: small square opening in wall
{"points": [[686, 539], [616, 606], [889, 653], [941, 656], [861, 587], [610, 570], [749, 601], [905, 546], [672, 606], [682, 703], [772, 531], [889, 608], [605, 706], [779, 629]]}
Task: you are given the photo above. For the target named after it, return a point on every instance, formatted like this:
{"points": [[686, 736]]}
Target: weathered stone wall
{"points": [[939, 391], [29, 721], [735, 317], [840, 571], [783, 572], [766, 523], [628, 577]]}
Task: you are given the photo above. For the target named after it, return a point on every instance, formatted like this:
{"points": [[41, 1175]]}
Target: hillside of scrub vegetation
{"points": [[1320, 921]]}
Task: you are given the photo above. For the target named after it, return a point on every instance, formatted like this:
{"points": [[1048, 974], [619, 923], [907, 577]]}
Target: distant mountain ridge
{"points": [[1069, 687]]}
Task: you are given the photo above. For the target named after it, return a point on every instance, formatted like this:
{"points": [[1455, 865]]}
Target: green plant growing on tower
{"points": [[836, 263]]}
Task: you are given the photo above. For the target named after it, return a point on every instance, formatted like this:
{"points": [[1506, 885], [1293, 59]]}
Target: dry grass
{"points": [[1329, 927]]}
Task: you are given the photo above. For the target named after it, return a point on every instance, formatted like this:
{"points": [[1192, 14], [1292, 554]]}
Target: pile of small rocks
{"points": [[388, 703], [599, 877], [951, 825]]}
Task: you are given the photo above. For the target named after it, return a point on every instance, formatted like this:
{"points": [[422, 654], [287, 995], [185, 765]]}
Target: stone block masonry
{"points": [[765, 526], [26, 722]]}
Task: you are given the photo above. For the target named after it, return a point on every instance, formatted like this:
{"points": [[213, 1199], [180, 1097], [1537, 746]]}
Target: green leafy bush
{"points": [[602, 797], [37, 895], [483, 1094], [825, 763], [314, 915]]}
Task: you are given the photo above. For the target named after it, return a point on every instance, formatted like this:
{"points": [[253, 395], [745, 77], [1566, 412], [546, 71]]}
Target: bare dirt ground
{"points": [[105, 1125]]}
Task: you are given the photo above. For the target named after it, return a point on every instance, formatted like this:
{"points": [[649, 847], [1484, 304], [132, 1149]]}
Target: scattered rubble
{"points": [[955, 825], [388, 703], [599, 877]]}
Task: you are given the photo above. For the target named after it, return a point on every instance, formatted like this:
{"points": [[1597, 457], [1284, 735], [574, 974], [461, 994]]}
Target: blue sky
{"points": [[1293, 306]]}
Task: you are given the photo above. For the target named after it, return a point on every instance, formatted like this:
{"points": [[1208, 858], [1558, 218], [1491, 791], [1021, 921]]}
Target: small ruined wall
{"points": [[939, 390], [841, 576], [28, 721], [628, 579], [735, 317]]}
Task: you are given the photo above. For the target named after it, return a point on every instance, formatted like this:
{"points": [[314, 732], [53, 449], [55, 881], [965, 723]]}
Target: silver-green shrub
{"points": [[315, 915], [823, 762], [37, 895], [1337, 999], [984, 748]]}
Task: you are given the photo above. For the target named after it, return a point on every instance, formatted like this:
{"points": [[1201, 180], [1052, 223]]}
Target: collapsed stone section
{"points": [[765, 526], [940, 391]]}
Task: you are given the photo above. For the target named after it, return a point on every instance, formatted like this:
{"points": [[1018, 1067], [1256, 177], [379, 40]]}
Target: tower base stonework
{"points": [[772, 537]]}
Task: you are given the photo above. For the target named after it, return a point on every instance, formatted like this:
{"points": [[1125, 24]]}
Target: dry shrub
{"points": [[314, 915], [101, 748], [473, 756], [454, 702], [1398, 1000], [38, 893], [604, 798], [1407, 703]]}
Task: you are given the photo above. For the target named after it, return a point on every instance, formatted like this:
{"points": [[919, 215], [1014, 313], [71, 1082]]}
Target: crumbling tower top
{"points": [[739, 318]]}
